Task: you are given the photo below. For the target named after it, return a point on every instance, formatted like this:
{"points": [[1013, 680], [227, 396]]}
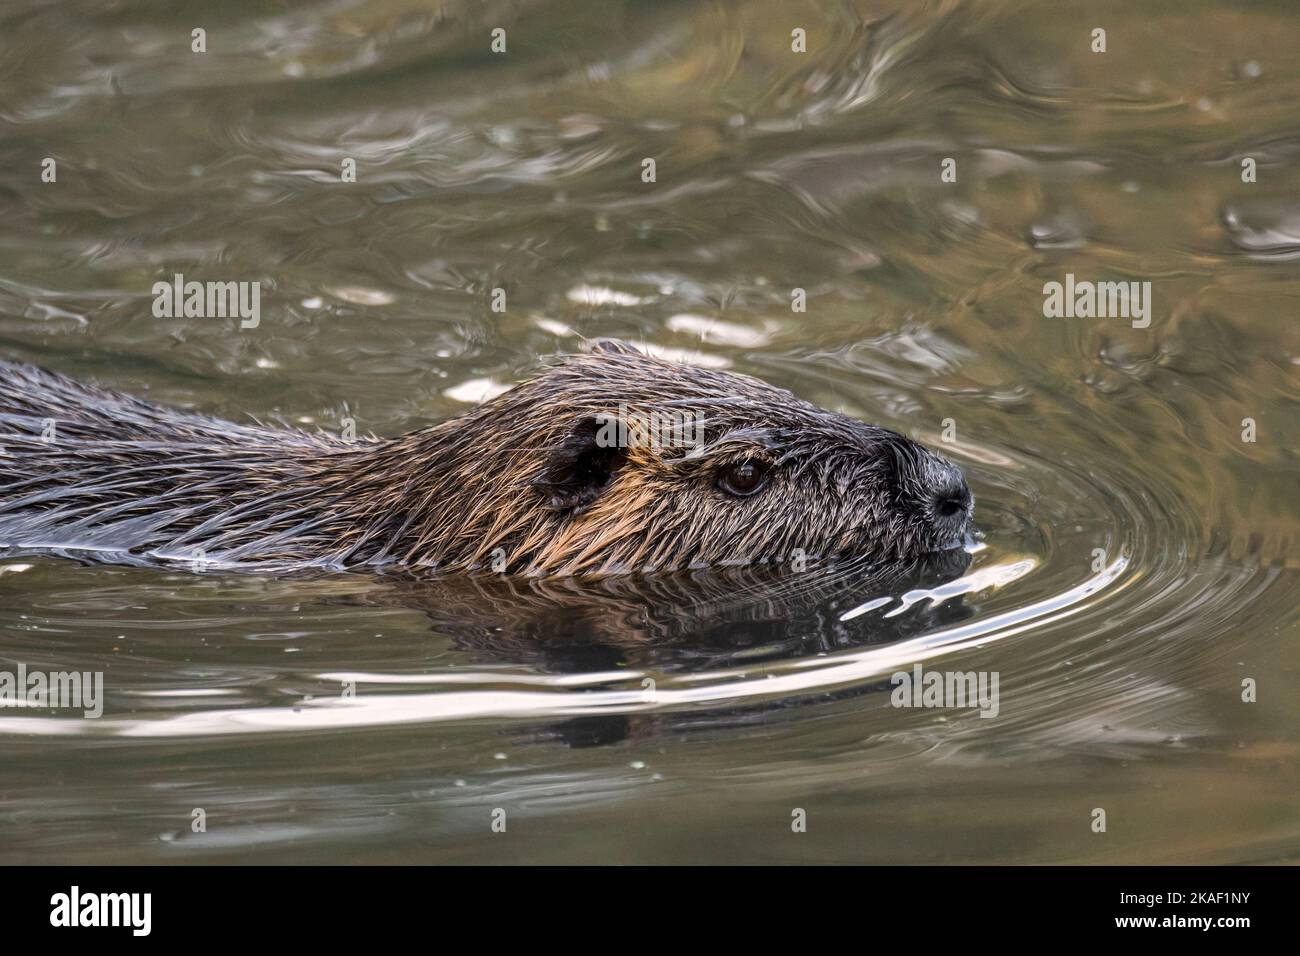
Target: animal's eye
{"points": [[742, 478]]}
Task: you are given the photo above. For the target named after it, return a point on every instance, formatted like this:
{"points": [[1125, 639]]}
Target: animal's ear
{"points": [[612, 347], [582, 464]]}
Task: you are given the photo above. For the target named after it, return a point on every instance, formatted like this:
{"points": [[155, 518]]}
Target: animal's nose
{"points": [[951, 506]]}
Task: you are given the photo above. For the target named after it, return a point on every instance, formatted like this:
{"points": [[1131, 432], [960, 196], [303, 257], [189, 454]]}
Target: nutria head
{"points": [[617, 461]]}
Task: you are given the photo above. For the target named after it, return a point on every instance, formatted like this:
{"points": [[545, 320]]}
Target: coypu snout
{"points": [[941, 493], [607, 462]]}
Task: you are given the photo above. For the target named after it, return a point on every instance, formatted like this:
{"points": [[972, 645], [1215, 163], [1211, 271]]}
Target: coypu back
{"points": [[560, 475], [31, 397]]}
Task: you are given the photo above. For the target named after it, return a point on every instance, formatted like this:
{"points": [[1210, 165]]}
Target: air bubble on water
{"points": [[716, 331], [359, 295], [558, 329], [1064, 229], [599, 295], [476, 390], [580, 126]]}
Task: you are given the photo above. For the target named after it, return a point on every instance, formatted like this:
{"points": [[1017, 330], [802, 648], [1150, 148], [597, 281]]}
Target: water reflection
{"points": [[694, 621], [698, 622]]}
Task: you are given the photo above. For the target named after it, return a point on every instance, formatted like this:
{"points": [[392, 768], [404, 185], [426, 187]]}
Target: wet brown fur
{"points": [[510, 486]]}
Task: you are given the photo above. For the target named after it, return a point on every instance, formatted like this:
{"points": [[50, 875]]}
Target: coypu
{"points": [[532, 481]]}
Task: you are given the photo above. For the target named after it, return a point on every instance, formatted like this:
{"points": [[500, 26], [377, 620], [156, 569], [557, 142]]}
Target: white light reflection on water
{"points": [[793, 677]]}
